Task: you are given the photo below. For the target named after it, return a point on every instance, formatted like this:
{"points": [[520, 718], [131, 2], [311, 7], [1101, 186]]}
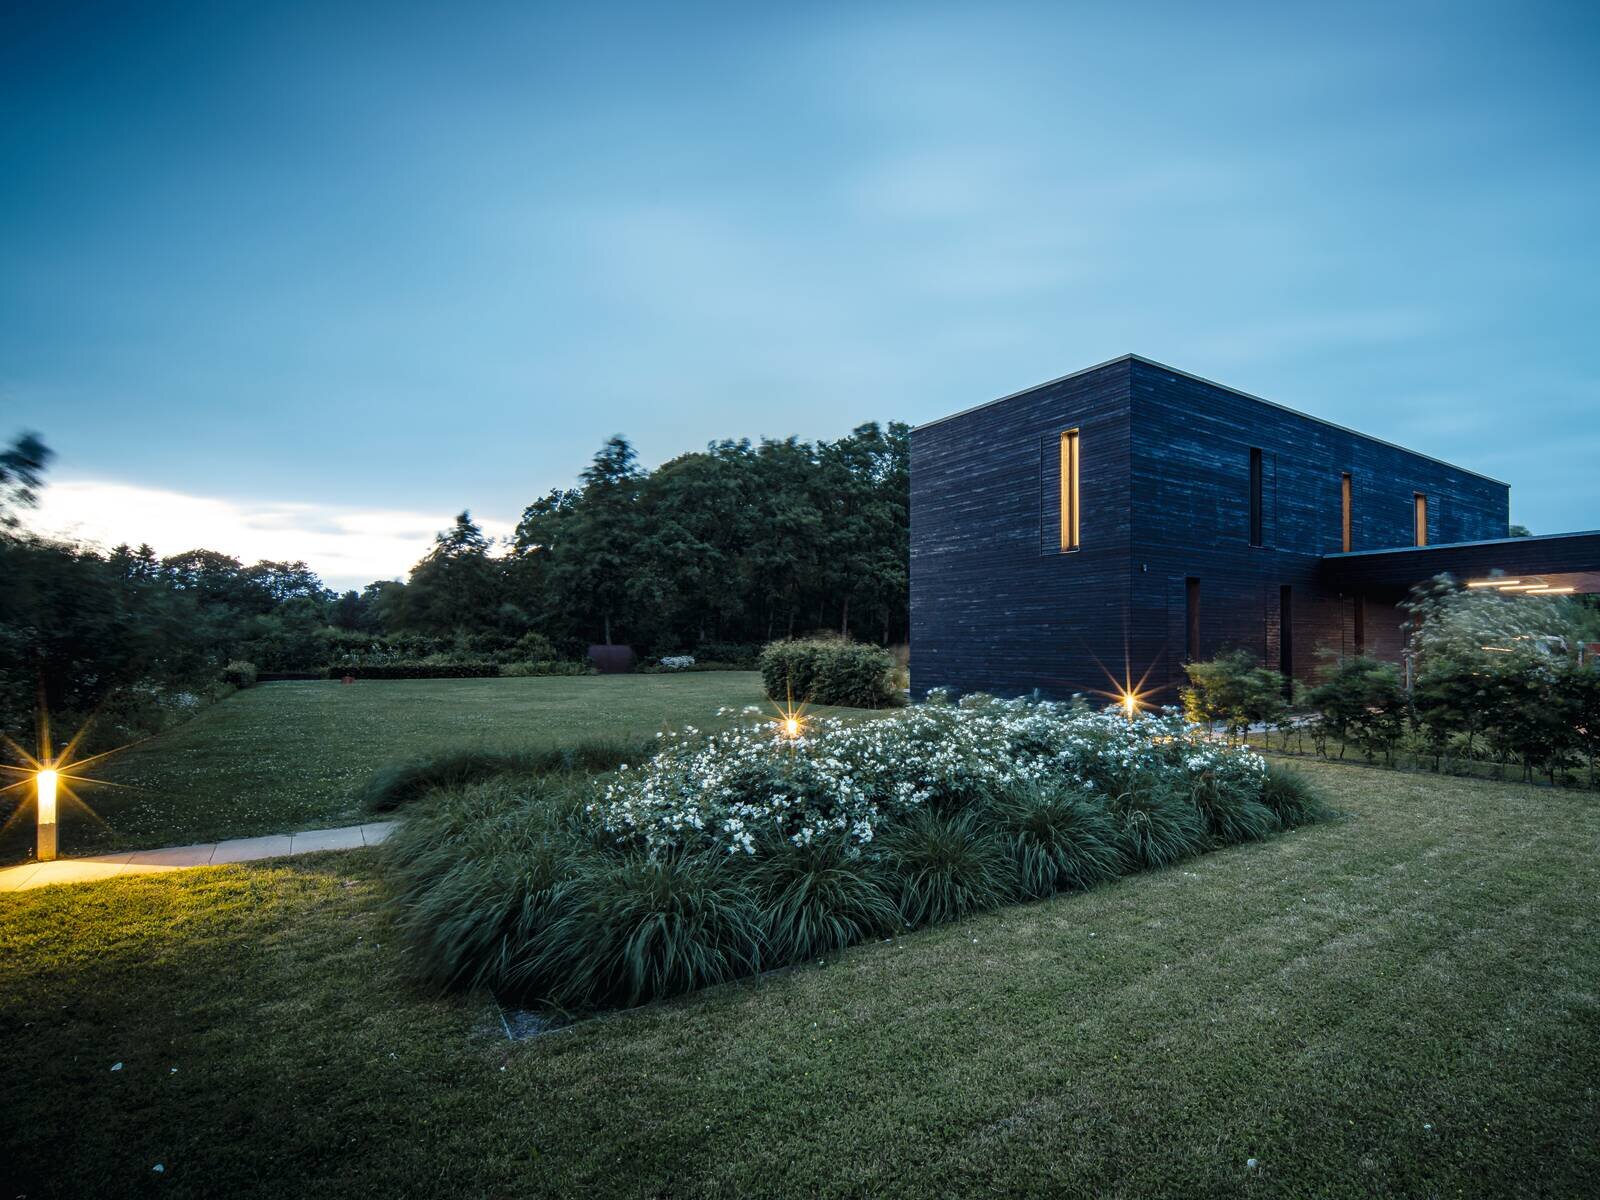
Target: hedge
{"points": [[417, 670], [829, 671]]}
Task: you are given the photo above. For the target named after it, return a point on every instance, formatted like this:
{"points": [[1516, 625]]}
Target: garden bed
{"points": [[725, 855]]}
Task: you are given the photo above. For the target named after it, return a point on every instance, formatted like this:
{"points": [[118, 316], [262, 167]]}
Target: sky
{"points": [[302, 281]]}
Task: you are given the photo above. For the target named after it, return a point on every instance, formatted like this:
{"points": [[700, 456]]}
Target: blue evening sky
{"points": [[336, 270]]}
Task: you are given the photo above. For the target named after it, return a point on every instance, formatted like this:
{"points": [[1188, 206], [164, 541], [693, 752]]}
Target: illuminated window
{"points": [[1419, 511], [1255, 497], [1344, 501], [1069, 490]]}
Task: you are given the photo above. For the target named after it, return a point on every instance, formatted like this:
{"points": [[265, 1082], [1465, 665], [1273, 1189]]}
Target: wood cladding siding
{"points": [[1165, 496], [996, 604]]}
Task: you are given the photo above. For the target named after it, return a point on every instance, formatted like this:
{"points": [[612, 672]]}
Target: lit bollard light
{"points": [[46, 781]]}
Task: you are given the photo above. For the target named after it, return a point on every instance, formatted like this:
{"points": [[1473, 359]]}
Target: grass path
{"points": [[1404, 1002], [285, 756]]}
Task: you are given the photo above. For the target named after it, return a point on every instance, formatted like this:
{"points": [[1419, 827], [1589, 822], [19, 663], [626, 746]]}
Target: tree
{"points": [[456, 587], [22, 468]]}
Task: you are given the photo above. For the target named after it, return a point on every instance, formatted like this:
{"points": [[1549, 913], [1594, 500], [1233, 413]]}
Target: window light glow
{"points": [[1069, 490], [1492, 583]]}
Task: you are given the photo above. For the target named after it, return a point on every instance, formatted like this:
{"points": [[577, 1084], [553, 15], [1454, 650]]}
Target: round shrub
{"points": [[239, 673], [1059, 838], [829, 671]]}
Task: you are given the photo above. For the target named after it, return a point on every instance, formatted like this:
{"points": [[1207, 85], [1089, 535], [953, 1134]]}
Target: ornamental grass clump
{"points": [[721, 855]]}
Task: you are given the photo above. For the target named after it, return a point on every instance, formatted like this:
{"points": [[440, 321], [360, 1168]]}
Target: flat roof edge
{"points": [[1161, 366], [1513, 541]]}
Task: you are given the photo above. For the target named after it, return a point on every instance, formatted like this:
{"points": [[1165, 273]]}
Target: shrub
{"points": [[417, 670], [478, 880], [239, 673], [1359, 700], [1156, 828], [1233, 690], [1231, 815], [1291, 798], [528, 670], [744, 850], [821, 897], [829, 671], [949, 866], [1059, 838], [640, 928]]}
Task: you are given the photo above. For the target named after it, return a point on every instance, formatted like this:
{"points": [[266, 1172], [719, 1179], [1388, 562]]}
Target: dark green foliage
{"points": [[1155, 828], [1230, 815], [1292, 799], [1060, 839], [949, 865], [1359, 701], [479, 878], [829, 671], [419, 670], [401, 783], [1233, 690], [239, 673], [641, 928], [821, 898]]}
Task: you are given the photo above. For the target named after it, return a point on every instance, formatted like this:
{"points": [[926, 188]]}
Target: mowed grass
{"points": [[1403, 1002], [285, 756]]}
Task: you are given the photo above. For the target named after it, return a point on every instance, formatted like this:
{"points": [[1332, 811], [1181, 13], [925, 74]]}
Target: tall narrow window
{"points": [[1255, 497], [1069, 490], [1191, 614], [1344, 503], [1286, 631], [1419, 513]]}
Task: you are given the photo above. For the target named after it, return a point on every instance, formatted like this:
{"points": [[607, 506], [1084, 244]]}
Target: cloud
{"points": [[348, 547]]}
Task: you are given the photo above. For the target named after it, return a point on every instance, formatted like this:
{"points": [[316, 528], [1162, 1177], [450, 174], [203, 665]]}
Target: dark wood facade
{"points": [[1205, 516]]}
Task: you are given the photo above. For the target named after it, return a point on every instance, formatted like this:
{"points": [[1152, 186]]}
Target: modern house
{"points": [[1104, 528]]}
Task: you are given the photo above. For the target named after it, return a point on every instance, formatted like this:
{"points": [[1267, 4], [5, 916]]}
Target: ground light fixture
{"points": [[45, 781]]}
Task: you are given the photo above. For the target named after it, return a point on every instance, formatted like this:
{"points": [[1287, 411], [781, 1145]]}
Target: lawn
{"points": [[286, 756], [1406, 1001]]}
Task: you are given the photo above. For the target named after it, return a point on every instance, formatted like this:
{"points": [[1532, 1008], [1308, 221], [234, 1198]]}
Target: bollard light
{"points": [[46, 782]]}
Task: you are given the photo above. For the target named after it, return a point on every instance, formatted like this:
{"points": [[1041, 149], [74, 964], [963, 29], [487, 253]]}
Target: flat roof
{"points": [[1513, 541], [1160, 366]]}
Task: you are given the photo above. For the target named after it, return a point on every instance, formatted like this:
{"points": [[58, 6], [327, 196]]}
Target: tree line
{"points": [[712, 553]]}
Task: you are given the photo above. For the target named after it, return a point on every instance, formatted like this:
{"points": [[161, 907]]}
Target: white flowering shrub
{"points": [[746, 849], [734, 789]]}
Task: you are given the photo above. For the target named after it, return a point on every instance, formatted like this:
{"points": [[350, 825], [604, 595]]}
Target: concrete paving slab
{"points": [[12, 879], [311, 840], [70, 870], [122, 857], [173, 856], [274, 845]]}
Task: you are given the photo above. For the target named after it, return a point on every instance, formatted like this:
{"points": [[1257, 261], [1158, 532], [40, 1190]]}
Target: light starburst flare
{"points": [[51, 774]]}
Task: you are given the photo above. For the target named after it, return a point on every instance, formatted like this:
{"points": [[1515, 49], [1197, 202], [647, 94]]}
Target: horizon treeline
{"points": [[712, 553]]}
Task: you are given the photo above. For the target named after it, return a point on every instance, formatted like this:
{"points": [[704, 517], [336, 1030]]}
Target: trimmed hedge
{"points": [[239, 673], [829, 671], [417, 670]]}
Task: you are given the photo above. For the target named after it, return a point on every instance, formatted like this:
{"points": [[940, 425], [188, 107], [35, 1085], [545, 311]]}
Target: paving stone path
{"points": [[174, 858]]}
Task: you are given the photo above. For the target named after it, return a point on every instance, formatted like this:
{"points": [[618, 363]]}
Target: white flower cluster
{"points": [[677, 662], [847, 777]]}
